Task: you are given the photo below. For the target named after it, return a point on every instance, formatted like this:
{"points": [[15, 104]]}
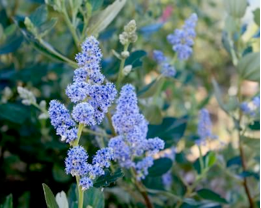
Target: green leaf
{"points": [[108, 178], [255, 126], [135, 58], [234, 161], [160, 167], [49, 197], [94, 197], [211, 195], [170, 130], [153, 114], [16, 113], [11, 44], [101, 20], [257, 16], [96, 4], [236, 8], [39, 16], [47, 26], [249, 66], [8, 202], [218, 95], [210, 159], [150, 89]]}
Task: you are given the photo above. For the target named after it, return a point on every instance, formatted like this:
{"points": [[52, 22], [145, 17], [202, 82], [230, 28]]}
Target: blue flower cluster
{"points": [[88, 86], [132, 128], [252, 108], [166, 68], [204, 127], [76, 164], [62, 121], [92, 97], [182, 39]]}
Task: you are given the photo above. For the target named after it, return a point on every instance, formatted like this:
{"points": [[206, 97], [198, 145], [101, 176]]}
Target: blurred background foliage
{"points": [[42, 60]]}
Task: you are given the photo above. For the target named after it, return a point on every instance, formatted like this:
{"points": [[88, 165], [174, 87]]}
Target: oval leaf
{"points": [[101, 20], [61, 200], [94, 197], [108, 178], [160, 167], [249, 67], [49, 197], [236, 8], [211, 195], [170, 130]]}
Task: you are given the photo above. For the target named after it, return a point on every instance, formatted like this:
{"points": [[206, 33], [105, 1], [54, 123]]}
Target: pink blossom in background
{"points": [[166, 13]]}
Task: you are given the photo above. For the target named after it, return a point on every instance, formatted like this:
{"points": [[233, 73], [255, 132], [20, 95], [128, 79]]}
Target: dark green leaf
{"points": [[153, 183], [94, 197], [16, 113], [211, 195], [153, 114], [11, 44], [255, 126], [135, 58], [96, 4], [150, 89], [170, 130], [246, 174], [39, 16], [108, 178], [72, 197], [49, 197], [234, 161], [160, 167], [8, 202]]}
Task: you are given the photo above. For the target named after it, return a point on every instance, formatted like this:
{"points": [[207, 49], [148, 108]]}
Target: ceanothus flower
{"points": [[143, 166], [121, 151], [84, 113], [78, 91], [76, 164], [62, 121], [167, 69], [91, 53], [76, 161], [204, 127], [88, 84], [131, 141], [159, 56], [103, 157], [154, 145], [182, 39], [86, 183]]}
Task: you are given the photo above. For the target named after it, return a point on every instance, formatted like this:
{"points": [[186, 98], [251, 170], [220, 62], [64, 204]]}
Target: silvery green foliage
{"points": [[27, 96]]}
